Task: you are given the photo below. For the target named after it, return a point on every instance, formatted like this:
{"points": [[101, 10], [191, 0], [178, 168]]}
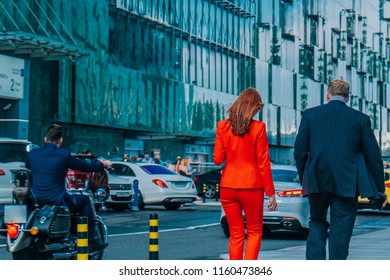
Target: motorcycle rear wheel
{"points": [[24, 254]]}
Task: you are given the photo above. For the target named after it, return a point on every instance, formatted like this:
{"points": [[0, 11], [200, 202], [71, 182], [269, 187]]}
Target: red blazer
{"points": [[247, 161]]}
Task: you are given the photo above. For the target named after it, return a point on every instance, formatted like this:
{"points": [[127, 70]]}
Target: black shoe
{"points": [[94, 245]]}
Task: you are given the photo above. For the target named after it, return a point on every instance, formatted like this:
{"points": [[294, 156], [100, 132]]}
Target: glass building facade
{"points": [[157, 75]]}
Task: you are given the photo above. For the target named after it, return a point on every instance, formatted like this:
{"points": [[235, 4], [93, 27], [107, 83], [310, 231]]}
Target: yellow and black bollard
{"points": [[216, 192], [153, 237], [82, 238], [204, 193]]}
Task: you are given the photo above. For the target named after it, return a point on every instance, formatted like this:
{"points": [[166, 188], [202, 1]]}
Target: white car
{"points": [[12, 156], [157, 185], [293, 209]]}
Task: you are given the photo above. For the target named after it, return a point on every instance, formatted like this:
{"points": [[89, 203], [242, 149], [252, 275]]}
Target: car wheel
{"points": [[225, 227], [266, 232], [119, 206], [172, 206], [141, 204], [210, 190], [305, 233]]}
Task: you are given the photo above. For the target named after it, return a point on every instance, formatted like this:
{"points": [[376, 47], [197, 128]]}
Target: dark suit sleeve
{"points": [[81, 165], [372, 155], [301, 146]]}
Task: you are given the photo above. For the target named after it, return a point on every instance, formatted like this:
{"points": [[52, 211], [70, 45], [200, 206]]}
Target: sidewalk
{"points": [[374, 245], [368, 246]]}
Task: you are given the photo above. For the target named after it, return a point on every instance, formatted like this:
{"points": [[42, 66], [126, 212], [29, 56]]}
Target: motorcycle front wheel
{"points": [[101, 231]]}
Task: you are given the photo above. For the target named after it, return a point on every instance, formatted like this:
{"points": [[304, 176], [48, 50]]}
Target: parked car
{"points": [[363, 202], [120, 190], [206, 183], [12, 156], [293, 209], [157, 185]]}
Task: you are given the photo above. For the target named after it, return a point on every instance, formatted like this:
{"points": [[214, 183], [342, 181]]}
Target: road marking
{"points": [[164, 230], [147, 232]]}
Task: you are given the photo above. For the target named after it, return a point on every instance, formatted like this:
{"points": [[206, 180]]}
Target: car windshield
{"points": [[281, 175], [157, 170], [11, 152]]}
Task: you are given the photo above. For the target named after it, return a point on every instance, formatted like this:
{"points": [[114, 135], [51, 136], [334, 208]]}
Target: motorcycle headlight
{"points": [[101, 194]]}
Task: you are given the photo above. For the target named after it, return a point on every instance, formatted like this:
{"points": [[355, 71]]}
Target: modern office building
{"points": [[156, 75]]}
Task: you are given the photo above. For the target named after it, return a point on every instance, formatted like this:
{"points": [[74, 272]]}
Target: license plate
{"points": [[123, 194], [16, 214], [180, 185]]}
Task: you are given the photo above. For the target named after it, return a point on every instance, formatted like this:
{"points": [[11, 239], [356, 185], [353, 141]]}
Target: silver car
{"points": [[157, 185], [293, 209], [12, 156]]}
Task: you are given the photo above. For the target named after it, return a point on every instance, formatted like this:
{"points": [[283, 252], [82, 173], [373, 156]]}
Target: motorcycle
{"points": [[49, 232]]}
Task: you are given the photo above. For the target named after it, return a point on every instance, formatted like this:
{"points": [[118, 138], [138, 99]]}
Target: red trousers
{"points": [[251, 201]]}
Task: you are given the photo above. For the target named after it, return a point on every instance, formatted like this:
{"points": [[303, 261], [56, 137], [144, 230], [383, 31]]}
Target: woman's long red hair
{"points": [[241, 113]]}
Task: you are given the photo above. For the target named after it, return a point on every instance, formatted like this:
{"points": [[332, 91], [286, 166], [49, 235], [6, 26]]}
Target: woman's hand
{"points": [[272, 205]]}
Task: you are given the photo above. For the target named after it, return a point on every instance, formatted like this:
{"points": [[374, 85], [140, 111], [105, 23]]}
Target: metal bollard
{"points": [[82, 238], [153, 237], [216, 192], [134, 204], [204, 193]]}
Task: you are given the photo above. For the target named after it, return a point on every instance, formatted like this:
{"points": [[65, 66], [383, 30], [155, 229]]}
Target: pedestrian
{"points": [[49, 165], [177, 164], [125, 157], [133, 158], [332, 141], [147, 158], [241, 142]]}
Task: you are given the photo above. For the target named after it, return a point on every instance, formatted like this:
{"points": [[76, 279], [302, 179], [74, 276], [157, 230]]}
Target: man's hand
{"points": [[385, 202], [107, 163]]}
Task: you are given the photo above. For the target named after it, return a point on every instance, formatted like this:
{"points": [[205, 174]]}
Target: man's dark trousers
{"points": [[343, 211]]}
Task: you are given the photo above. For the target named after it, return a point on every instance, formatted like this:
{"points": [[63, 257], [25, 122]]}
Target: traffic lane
{"points": [[138, 221], [192, 243], [188, 233]]}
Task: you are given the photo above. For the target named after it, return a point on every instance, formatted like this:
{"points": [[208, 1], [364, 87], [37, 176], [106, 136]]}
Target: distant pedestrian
{"points": [[133, 158], [146, 158], [241, 142], [125, 157], [335, 150]]}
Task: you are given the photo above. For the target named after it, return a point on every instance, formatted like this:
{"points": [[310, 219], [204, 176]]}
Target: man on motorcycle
{"points": [[49, 166]]}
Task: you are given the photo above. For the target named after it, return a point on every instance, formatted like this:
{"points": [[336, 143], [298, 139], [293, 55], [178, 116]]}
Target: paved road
{"points": [[372, 244]]}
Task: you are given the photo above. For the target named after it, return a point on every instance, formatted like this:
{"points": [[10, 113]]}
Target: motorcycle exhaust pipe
{"points": [[64, 256], [50, 247]]}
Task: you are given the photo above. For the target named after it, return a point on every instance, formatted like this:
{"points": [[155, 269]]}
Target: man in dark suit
{"points": [[49, 166], [335, 148]]}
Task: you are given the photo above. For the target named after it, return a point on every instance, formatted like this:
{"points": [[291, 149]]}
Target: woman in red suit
{"points": [[242, 144]]}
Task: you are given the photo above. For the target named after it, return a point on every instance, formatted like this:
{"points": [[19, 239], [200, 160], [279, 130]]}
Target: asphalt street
{"points": [[374, 245]]}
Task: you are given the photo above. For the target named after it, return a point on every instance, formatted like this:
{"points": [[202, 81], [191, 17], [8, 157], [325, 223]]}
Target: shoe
{"points": [[94, 245]]}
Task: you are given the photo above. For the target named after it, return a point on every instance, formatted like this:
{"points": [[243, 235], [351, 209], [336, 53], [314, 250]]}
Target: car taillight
{"points": [[290, 193], [2, 172], [160, 183], [196, 178], [12, 231]]}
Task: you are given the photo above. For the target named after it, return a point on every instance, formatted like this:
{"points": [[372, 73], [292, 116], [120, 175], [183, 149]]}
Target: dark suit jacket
{"points": [[49, 166], [335, 148]]}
